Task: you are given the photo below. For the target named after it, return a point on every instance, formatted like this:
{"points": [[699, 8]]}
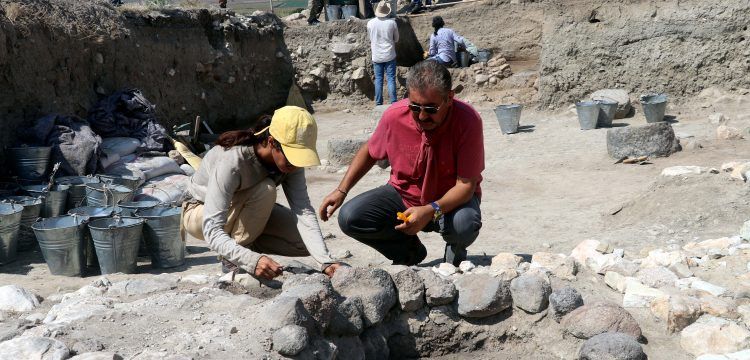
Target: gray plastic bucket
{"points": [[93, 213], [654, 107], [131, 182], [162, 234], [103, 194], [54, 201], [116, 241], [607, 110], [30, 162], [32, 206], [62, 240], [508, 116], [10, 224], [77, 191], [588, 114]]}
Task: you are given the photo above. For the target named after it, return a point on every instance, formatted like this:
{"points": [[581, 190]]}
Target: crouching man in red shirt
{"points": [[435, 146]]}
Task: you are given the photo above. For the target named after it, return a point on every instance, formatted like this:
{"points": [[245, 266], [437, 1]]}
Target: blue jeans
{"points": [[339, 12], [390, 72], [370, 218]]}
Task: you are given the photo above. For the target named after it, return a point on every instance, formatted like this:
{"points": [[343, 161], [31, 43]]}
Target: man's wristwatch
{"points": [[438, 212]]}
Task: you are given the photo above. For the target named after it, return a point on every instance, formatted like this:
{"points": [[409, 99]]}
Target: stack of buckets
{"points": [[600, 113], [102, 227]]}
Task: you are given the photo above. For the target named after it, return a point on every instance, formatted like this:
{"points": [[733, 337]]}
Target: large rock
{"points": [[611, 346], [530, 293], [16, 298], [154, 284], [564, 267], [656, 139], [563, 301], [505, 261], [410, 288], [482, 295], [41, 348], [347, 318], [639, 295], [290, 340], [349, 347], [78, 309], [316, 294], [620, 95], [657, 277], [342, 151], [676, 311], [712, 335], [597, 318], [283, 311], [438, 291], [373, 288]]}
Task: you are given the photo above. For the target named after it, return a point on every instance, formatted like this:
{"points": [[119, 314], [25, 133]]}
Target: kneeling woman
{"points": [[233, 204]]}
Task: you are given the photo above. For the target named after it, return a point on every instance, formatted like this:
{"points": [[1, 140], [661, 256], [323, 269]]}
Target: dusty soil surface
{"points": [[545, 189]]}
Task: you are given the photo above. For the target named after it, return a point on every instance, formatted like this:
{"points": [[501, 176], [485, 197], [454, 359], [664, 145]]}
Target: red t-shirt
{"points": [[425, 164]]}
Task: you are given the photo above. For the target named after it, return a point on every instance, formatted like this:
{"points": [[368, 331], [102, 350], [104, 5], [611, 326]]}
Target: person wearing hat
{"points": [[232, 201], [383, 33]]}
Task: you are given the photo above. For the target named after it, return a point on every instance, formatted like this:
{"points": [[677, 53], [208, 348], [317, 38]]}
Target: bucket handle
{"points": [[162, 190]]}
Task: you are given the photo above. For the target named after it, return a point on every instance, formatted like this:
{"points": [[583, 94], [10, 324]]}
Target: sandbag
{"points": [[165, 188], [120, 146]]}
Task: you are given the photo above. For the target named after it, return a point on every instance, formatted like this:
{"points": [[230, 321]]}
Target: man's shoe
{"points": [[417, 253], [313, 22]]}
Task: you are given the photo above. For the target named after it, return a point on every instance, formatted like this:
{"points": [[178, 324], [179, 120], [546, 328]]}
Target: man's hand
{"points": [[330, 204], [267, 268], [419, 217], [331, 269]]}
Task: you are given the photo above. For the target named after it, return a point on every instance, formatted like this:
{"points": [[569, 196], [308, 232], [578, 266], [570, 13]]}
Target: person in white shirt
{"points": [[383, 34]]}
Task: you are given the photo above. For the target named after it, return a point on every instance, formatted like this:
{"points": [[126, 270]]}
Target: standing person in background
{"points": [[383, 33], [443, 43], [341, 9], [316, 6]]}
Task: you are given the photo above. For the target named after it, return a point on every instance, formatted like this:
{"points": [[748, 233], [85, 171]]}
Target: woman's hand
{"points": [[331, 203], [267, 268], [331, 269], [417, 218]]}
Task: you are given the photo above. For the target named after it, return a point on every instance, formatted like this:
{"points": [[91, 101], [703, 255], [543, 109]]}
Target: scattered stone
{"points": [[703, 247], [530, 293], [745, 232], [623, 267], [438, 291], [681, 170], [655, 139], [712, 289], [342, 49], [290, 340], [506, 261], [720, 307], [410, 288], [198, 279], [466, 266], [480, 79], [32, 347], [677, 311], [347, 318], [157, 283], [342, 151], [373, 287], [564, 267], [563, 301], [639, 295], [316, 295], [615, 346], [482, 295], [97, 356], [621, 96], [599, 264], [616, 281], [584, 250], [713, 335], [445, 269], [504, 274], [660, 257], [604, 248], [724, 132], [359, 73], [681, 270], [318, 72], [16, 298], [78, 309], [657, 277], [283, 311], [597, 318]]}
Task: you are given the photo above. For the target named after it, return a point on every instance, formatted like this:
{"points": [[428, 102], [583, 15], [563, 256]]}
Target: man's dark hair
{"points": [[437, 23], [429, 74]]}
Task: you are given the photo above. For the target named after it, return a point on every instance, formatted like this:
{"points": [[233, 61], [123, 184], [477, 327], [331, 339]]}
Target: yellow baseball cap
{"points": [[295, 129]]}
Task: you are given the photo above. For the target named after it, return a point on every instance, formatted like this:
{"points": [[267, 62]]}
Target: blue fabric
{"points": [[390, 71]]}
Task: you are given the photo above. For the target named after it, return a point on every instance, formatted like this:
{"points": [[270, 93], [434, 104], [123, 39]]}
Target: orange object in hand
{"points": [[403, 217]]}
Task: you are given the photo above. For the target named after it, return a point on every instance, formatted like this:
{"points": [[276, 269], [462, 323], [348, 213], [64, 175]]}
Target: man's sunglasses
{"points": [[419, 108]]}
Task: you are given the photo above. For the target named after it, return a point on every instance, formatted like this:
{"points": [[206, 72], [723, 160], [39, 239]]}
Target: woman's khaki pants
{"points": [[254, 221]]}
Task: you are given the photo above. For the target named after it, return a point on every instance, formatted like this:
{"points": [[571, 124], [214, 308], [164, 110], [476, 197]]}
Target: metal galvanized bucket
{"points": [[103, 194], [588, 114], [54, 201], [508, 116], [30, 162], [116, 241], [10, 224], [654, 107], [77, 191], [62, 240], [131, 182], [162, 234], [607, 110], [32, 206], [93, 213], [129, 207]]}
